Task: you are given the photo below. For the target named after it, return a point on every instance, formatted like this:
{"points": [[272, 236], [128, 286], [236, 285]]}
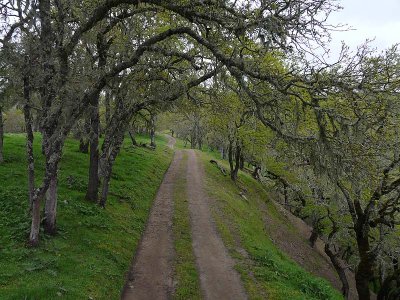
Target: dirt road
{"points": [[218, 278], [151, 275]]}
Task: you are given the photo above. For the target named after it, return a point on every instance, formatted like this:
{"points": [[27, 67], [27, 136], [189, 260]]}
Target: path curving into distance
{"points": [[152, 271]]}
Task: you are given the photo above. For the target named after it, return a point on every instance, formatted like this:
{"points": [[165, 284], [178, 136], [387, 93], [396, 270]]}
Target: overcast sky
{"points": [[370, 19]]}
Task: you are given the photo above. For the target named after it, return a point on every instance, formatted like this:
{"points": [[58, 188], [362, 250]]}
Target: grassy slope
{"points": [[94, 247], [186, 275], [265, 271]]}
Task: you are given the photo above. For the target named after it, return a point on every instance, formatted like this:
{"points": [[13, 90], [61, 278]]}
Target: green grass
{"points": [[186, 275], [266, 272], [91, 253]]}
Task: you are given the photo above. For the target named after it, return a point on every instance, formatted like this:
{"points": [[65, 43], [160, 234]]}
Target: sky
{"points": [[370, 19]]}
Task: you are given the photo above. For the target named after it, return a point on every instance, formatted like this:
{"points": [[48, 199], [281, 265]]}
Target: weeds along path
{"points": [[151, 275], [218, 278]]}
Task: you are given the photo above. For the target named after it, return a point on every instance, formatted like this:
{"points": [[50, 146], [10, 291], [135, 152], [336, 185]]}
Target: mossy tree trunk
{"points": [[152, 130], [93, 182], [29, 135], [1, 135]]}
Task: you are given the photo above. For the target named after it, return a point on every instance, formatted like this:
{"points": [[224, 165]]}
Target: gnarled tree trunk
{"points": [[50, 209], [364, 272], [234, 172], [93, 183], [35, 224], [337, 264], [29, 139], [1, 135], [110, 152]]}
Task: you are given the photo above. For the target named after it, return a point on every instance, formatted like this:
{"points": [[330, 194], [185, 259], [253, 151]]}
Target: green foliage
{"points": [[93, 248]]}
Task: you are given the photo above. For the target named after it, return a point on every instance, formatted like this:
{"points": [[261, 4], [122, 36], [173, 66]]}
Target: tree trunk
{"points": [[50, 208], [29, 140], [105, 186], [230, 157], [35, 225], [152, 131], [110, 150], [31, 162], [1, 135], [313, 237], [108, 107], [93, 182], [364, 271], [339, 269], [199, 144], [84, 136], [193, 139], [286, 196], [107, 169], [133, 140], [241, 162], [256, 172], [235, 171], [390, 289], [83, 146]]}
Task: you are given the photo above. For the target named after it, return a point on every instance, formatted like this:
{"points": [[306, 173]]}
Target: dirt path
{"points": [[151, 275], [171, 141], [218, 278]]}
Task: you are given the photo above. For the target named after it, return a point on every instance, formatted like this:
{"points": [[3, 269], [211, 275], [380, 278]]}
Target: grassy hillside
{"points": [[94, 247], [267, 273]]}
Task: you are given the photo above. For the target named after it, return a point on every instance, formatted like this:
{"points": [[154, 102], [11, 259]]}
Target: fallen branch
{"points": [[221, 168], [144, 145]]}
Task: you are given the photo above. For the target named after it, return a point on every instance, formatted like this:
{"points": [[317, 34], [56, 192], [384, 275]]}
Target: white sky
{"points": [[370, 19]]}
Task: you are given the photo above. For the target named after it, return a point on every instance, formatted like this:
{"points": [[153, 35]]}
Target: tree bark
{"points": [[111, 148], [47, 93], [241, 161], [105, 186], [35, 225], [256, 172], [364, 272], [107, 106], [29, 139], [50, 209], [93, 182], [339, 269], [230, 156], [133, 140], [83, 146], [1, 135], [286, 196], [152, 131], [390, 289], [84, 136], [313, 237], [234, 173]]}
